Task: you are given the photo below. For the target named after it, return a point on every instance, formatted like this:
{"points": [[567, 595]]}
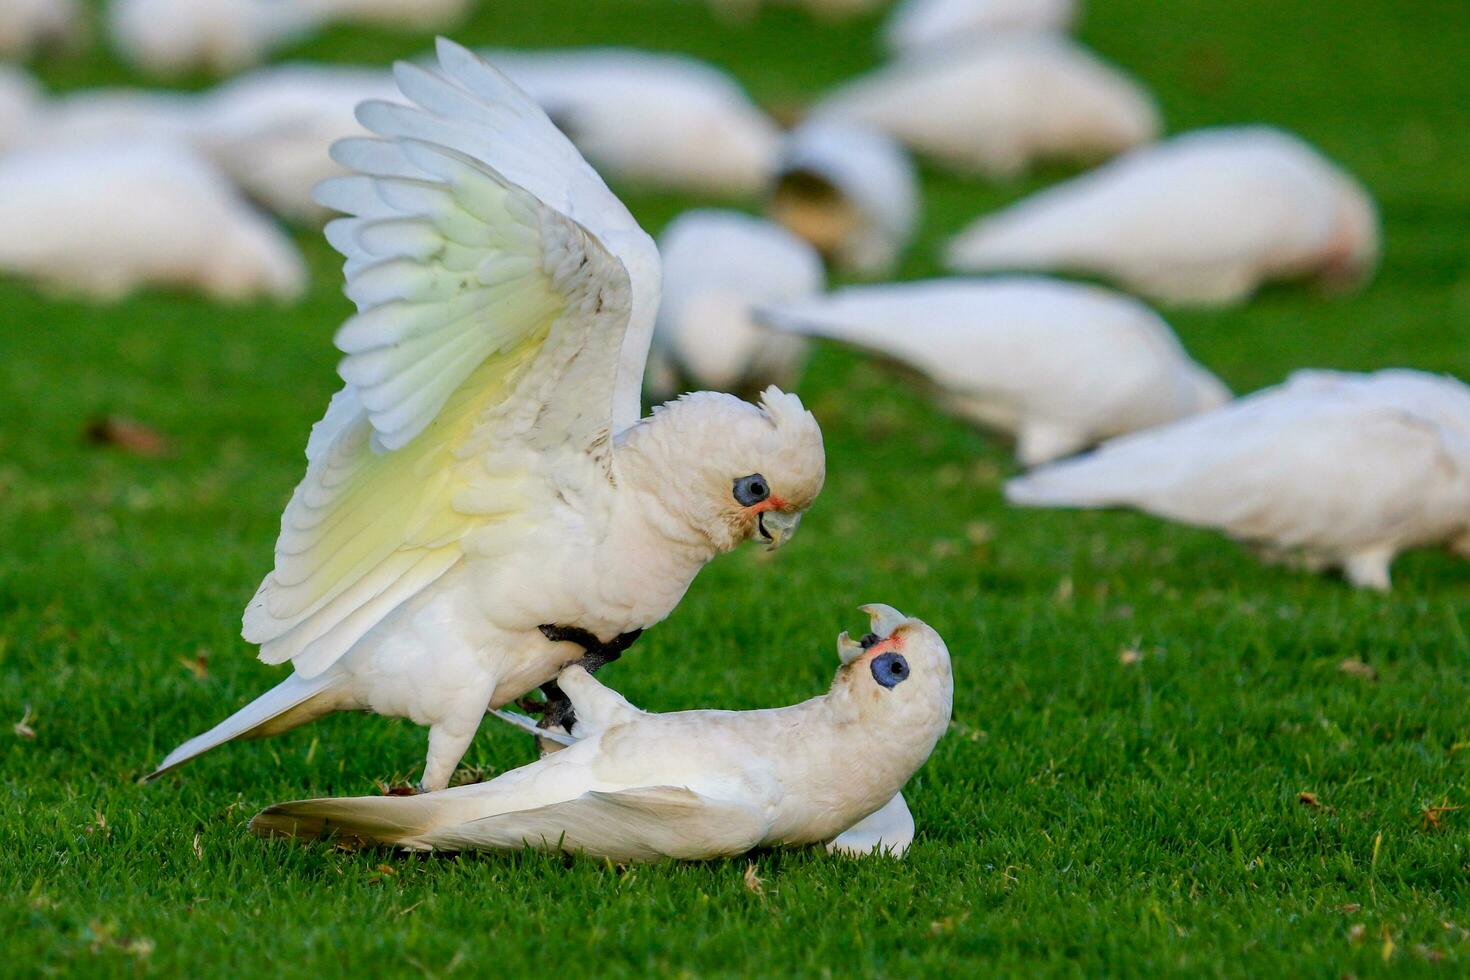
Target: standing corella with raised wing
{"points": [[482, 504], [1058, 365], [1340, 470], [692, 784], [1205, 218]]}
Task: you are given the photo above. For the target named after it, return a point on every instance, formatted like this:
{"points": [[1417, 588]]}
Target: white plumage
{"points": [[916, 24], [106, 217], [1058, 365], [20, 103], [850, 190], [116, 115], [717, 266], [663, 120], [1342, 470], [272, 129], [170, 37], [691, 785], [998, 106], [26, 26], [484, 471], [1204, 218]]}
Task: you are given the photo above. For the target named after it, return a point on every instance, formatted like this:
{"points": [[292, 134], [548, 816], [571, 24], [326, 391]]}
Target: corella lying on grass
{"points": [[481, 503], [1340, 470], [692, 785], [103, 218], [1058, 365], [1204, 218], [659, 120], [717, 266], [998, 106]]}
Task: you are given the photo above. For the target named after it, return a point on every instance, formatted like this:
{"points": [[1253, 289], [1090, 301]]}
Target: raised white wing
{"points": [[487, 351], [1311, 465]]}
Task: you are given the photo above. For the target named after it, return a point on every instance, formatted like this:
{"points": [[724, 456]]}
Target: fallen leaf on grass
{"points": [[1358, 668], [1350, 908], [198, 850], [1128, 657], [753, 882], [947, 924], [198, 665], [1308, 799], [1432, 817], [23, 727], [1356, 932], [130, 436]]}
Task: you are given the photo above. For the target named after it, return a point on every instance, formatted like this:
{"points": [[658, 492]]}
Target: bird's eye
{"points": [[751, 490], [890, 669]]}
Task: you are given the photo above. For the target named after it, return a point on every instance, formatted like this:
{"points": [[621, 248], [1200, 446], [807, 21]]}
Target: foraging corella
{"points": [[271, 130], [850, 190], [717, 265], [20, 104], [692, 784], [105, 217], [1204, 218], [1059, 365], [1343, 470], [29, 25], [998, 106], [481, 502], [170, 37], [918, 24], [663, 120]]}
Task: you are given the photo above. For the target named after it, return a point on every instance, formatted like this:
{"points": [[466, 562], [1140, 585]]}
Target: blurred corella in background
{"points": [[716, 266], [660, 120], [20, 101], [1058, 365], [170, 37], [27, 26], [103, 218], [1338, 470], [272, 130], [916, 24], [850, 190], [998, 106], [112, 114], [1204, 218]]}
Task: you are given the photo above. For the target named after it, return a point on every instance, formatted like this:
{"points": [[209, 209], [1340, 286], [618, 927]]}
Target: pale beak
{"points": [[777, 527]]}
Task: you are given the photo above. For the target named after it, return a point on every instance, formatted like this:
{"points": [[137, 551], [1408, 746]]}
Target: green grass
{"points": [[1083, 815]]}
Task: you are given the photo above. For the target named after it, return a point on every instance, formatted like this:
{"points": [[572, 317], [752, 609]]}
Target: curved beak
{"points": [[776, 527]]}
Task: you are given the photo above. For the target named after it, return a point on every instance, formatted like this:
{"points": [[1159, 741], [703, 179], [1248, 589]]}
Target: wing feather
{"points": [[489, 320]]}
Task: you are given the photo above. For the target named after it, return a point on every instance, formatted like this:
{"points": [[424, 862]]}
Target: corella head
{"points": [[729, 470], [897, 677]]}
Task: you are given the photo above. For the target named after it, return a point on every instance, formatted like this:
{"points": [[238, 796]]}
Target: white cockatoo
{"points": [[114, 115], [1205, 218], [20, 103], [103, 218], [661, 120], [850, 190], [717, 266], [998, 106], [171, 37], [691, 785], [272, 129], [481, 502], [1341, 470], [1060, 366], [27, 26], [916, 24]]}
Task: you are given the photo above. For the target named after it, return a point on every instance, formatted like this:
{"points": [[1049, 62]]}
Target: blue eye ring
{"points": [[751, 490], [890, 669]]}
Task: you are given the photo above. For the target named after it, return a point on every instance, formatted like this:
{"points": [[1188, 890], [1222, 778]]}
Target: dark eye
{"points": [[890, 669], [751, 490]]}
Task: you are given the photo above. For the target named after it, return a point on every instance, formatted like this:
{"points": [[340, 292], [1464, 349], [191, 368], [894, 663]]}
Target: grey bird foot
{"points": [[556, 710]]}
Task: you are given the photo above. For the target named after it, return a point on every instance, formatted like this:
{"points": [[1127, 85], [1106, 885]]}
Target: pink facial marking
{"points": [[772, 502]]}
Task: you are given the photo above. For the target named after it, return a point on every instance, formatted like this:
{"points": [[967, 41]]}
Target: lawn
{"points": [[1228, 802]]}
